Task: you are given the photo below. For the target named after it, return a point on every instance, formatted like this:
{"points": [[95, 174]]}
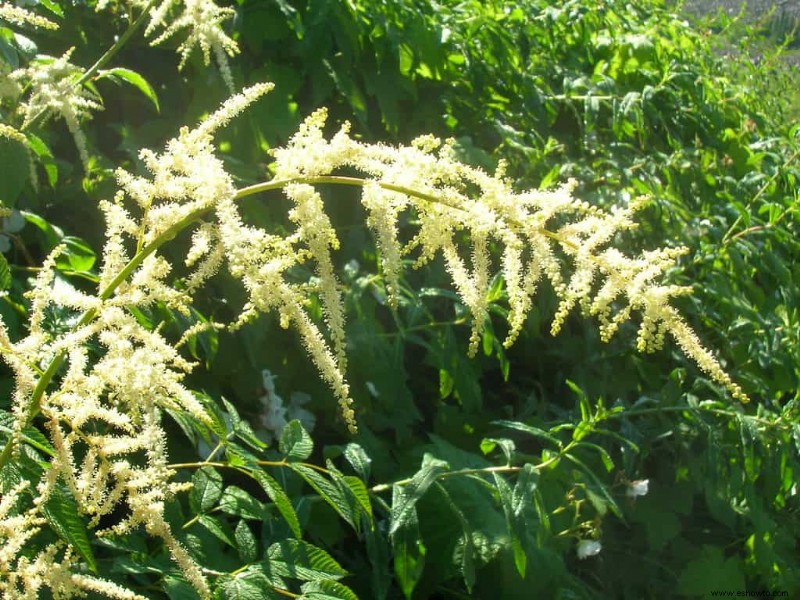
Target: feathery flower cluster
{"points": [[53, 92], [20, 16], [104, 415], [543, 234], [203, 19]]}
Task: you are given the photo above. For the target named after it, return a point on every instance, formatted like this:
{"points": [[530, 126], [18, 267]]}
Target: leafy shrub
{"points": [[506, 477]]}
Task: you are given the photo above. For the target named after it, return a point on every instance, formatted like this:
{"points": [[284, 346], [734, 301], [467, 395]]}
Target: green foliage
{"points": [[469, 477]]}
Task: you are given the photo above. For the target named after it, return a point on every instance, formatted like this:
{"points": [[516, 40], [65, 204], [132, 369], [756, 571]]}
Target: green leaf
{"points": [[5, 273], [465, 551], [326, 589], [405, 497], [506, 446], [378, 553], [177, 588], [52, 234], [295, 443], [118, 74], [527, 480], [78, 255], [280, 499], [237, 502], [45, 158], [53, 7], [206, 490], [506, 502], [16, 170], [710, 571], [251, 584], [582, 429], [409, 554], [242, 428], [61, 512], [246, 542], [30, 435], [358, 459], [330, 492], [300, 560], [358, 489], [529, 429], [216, 527]]}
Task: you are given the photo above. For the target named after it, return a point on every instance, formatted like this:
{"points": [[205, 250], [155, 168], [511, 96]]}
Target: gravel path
{"points": [[755, 8]]}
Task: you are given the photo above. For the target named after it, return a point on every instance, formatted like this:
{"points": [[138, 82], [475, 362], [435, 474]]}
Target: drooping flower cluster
{"points": [[104, 416], [543, 234], [17, 15], [103, 413], [52, 92], [203, 21]]}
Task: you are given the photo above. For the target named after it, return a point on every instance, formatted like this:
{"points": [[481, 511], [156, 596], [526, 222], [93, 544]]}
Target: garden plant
{"points": [[514, 316]]}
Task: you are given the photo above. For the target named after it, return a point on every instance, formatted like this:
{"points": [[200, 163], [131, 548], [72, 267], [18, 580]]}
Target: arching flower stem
{"points": [[174, 230]]}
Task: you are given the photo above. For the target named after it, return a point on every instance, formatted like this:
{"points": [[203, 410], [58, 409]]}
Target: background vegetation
{"points": [[626, 97]]}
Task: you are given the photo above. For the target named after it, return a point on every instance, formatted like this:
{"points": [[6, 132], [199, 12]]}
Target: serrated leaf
{"points": [[280, 499], [30, 435], [409, 554], [295, 443], [216, 527], [233, 414], [251, 584], [506, 502], [405, 497], [358, 489], [358, 459], [15, 160], [507, 447], [242, 428], [300, 560], [607, 499], [78, 255], [378, 553], [237, 502], [608, 462], [177, 588], [45, 158], [527, 480], [465, 552], [326, 589], [5, 273], [53, 7], [246, 542], [61, 512], [529, 429], [134, 79], [206, 490], [329, 492]]}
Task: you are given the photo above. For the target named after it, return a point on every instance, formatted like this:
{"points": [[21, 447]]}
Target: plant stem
{"points": [[103, 60], [170, 233], [123, 39]]}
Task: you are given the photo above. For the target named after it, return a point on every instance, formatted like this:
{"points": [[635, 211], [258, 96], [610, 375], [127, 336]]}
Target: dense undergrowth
{"points": [[560, 467]]}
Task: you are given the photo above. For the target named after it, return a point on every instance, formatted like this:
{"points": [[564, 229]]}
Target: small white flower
{"points": [[638, 488], [275, 415], [587, 548]]}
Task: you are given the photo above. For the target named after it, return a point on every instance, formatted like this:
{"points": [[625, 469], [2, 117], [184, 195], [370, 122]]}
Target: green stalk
{"points": [[103, 60]]}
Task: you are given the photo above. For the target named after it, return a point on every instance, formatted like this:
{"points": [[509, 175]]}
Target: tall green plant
{"points": [[87, 474]]}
